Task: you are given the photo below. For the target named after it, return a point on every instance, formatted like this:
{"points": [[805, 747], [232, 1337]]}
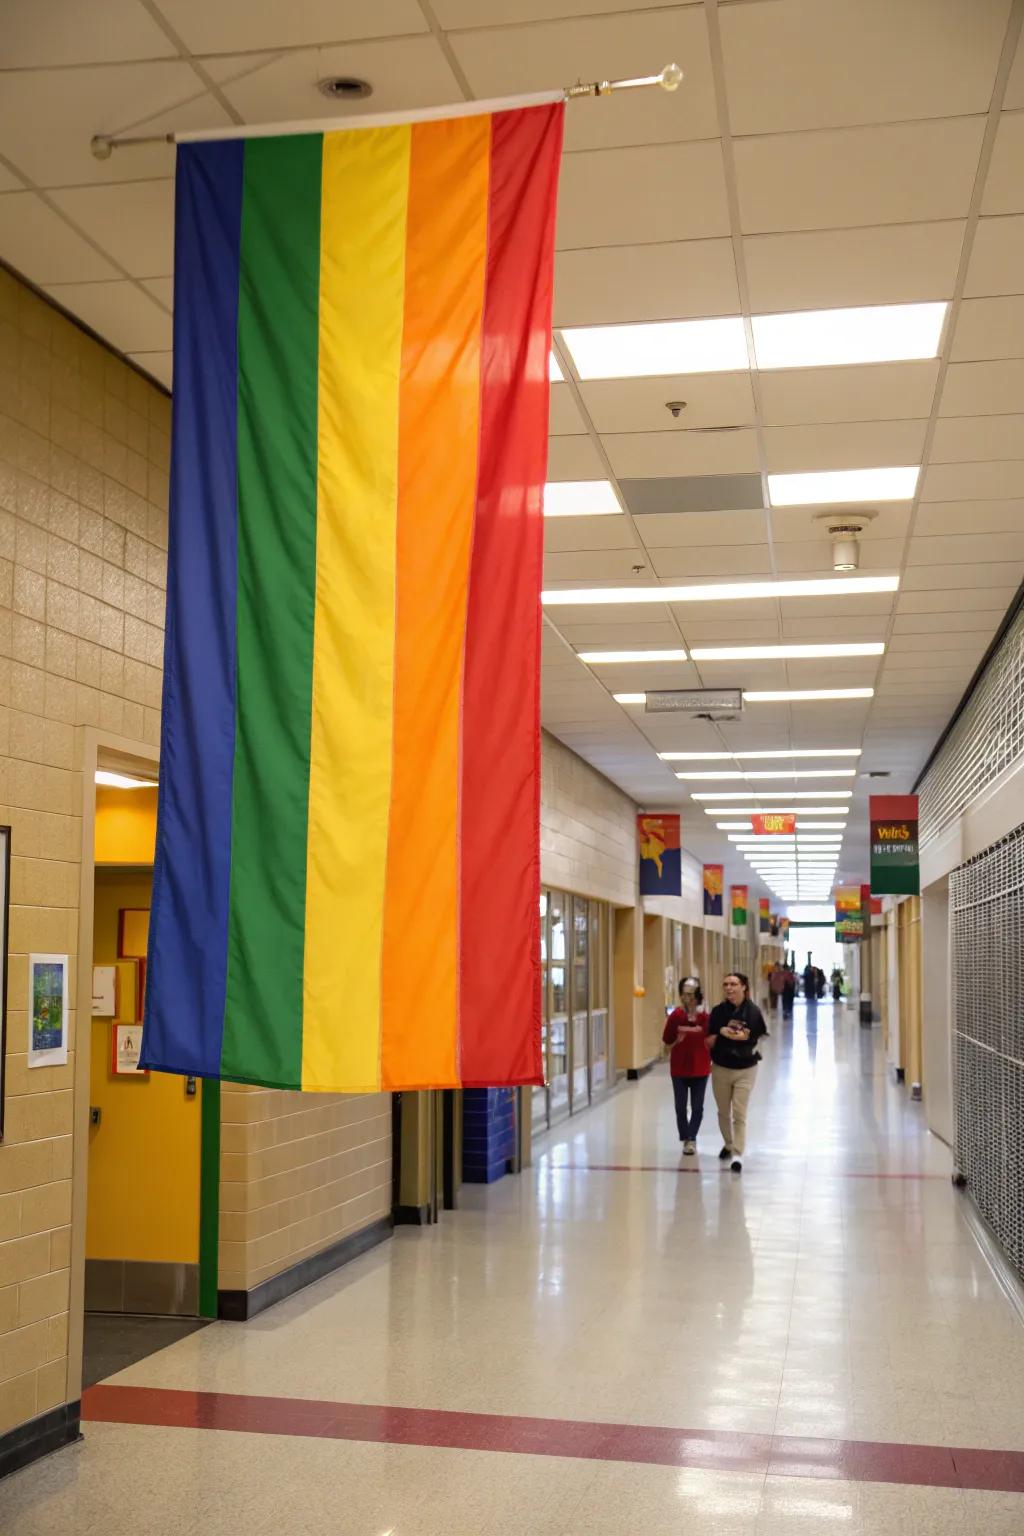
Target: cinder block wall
{"points": [[587, 829], [83, 493]]}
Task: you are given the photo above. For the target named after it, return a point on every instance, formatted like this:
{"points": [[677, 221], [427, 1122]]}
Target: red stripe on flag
{"points": [[499, 895]]}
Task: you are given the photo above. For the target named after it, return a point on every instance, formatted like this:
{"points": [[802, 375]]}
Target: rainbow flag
{"points": [[346, 890]]}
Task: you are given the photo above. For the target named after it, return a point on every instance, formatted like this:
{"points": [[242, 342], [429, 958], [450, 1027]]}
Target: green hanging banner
{"points": [[849, 914], [895, 866]]}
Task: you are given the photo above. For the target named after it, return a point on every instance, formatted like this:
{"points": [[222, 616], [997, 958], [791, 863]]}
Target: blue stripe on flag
{"points": [[189, 922]]}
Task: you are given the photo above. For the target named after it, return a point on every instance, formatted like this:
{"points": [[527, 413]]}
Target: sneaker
{"points": [[689, 1148], [737, 1166], [725, 1154]]}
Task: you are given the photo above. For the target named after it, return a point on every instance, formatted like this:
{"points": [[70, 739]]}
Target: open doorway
{"points": [[145, 1135]]}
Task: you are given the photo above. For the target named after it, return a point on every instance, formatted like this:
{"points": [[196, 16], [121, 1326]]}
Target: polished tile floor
{"points": [[816, 1345]]}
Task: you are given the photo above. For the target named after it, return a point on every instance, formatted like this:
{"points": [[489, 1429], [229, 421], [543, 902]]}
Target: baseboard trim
{"points": [[411, 1215], [1005, 1276], [634, 1074], [240, 1306], [27, 1442]]}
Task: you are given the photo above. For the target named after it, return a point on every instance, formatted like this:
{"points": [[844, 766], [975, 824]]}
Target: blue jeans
{"points": [[688, 1121]]}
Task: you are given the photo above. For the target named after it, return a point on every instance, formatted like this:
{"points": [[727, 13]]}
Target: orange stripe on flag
{"points": [[439, 411]]}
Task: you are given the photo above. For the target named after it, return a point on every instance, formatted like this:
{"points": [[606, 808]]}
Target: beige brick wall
{"points": [[298, 1173], [83, 490], [587, 829]]}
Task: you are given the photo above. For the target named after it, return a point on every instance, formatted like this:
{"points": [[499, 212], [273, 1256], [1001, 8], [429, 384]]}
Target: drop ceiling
{"points": [[820, 154]]}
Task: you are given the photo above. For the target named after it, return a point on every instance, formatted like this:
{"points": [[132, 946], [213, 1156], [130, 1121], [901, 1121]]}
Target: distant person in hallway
{"points": [[777, 984], [734, 1030], [788, 992], [810, 982], [837, 984], [686, 1030]]}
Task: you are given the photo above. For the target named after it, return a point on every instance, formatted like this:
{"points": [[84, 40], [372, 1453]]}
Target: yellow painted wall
{"points": [[125, 825], [144, 1155]]}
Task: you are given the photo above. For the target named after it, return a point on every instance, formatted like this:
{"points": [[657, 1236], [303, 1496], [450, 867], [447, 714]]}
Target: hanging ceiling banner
{"points": [[738, 895], [764, 914], [773, 825], [849, 914], [661, 858], [714, 881], [895, 865]]}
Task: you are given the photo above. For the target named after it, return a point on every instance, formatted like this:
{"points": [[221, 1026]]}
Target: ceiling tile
{"points": [[955, 578], [1004, 184], [466, 13], [797, 525], [639, 454], [728, 561], [607, 195], [935, 518], [639, 405], [844, 445], [574, 458], [832, 268], [959, 438], [997, 256], [898, 173], [611, 635], [563, 534], [881, 391], [404, 72], [162, 289], [43, 247], [973, 482], [233, 24], [66, 32], [1015, 85], [983, 389], [133, 222], [951, 549], [75, 104], [863, 604], [545, 56], [678, 280], [989, 328], [834, 64], [837, 626], [977, 596], [687, 530], [128, 318], [979, 621], [159, 365], [565, 419], [965, 642]]}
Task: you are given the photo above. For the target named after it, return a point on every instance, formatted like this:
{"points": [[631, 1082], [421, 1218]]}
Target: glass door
{"points": [[558, 1016], [580, 1065], [540, 1095], [599, 940]]}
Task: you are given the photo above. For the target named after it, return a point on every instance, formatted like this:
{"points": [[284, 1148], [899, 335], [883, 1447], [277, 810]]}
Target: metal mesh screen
{"points": [[987, 918], [988, 736]]}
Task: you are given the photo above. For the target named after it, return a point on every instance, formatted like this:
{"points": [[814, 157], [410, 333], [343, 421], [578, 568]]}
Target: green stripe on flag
{"points": [[277, 489]]}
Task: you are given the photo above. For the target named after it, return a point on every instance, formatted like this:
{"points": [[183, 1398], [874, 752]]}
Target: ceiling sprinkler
{"points": [[844, 530]]}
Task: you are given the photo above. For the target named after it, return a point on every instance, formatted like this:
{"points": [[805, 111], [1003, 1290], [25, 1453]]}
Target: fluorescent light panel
{"points": [[831, 486], [794, 794], [772, 773], [771, 810], [601, 658], [747, 826], [725, 757], [787, 652], [110, 780], [658, 348], [825, 338], [808, 695], [718, 592], [580, 498]]}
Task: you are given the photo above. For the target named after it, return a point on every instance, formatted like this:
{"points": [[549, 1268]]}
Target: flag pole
{"points": [[668, 79]]}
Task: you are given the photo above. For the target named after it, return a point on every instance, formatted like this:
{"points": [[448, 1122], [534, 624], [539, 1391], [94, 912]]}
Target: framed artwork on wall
{"points": [[5, 904], [47, 1010]]}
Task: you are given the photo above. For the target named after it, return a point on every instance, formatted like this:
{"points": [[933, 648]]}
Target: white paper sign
{"points": [[103, 991]]}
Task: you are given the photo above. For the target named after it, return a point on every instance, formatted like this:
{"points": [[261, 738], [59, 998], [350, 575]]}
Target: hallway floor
{"points": [[618, 1342]]}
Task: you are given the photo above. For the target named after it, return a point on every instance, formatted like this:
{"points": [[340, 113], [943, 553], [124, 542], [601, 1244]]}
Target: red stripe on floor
{"points": [[692, 1168], [858, 1461]]}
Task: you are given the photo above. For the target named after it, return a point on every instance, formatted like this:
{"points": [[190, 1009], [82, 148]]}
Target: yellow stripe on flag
{"points": [[362, 295]]}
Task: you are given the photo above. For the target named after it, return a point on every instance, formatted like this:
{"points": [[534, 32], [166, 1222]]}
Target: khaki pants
{"points": [[732, 1089]]}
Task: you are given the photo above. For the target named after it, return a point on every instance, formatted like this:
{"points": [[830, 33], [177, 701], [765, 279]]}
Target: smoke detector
{"points": [[845, 529]]}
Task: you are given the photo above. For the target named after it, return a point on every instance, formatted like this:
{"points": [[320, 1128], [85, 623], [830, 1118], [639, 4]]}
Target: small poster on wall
{"points": [[47, 1010], [104, 994], [127, 1050]]}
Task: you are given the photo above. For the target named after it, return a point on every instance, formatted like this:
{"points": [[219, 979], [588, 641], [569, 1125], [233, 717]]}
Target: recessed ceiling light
{"points": [[580, 498], [794, 794], [805, 695], [831, 486], [111, 780], [600, 658], [786, 652], [827, 338], [555, 374], [815, 826], [772, 773], [724, 757], [658, 347], [773, 810], [719, 592]]}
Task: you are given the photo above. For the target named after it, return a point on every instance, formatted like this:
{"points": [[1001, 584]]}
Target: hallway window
{"points": [[576, 1026]]}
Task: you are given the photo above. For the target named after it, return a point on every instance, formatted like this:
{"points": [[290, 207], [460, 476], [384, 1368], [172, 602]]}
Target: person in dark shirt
{"points": [[690, 1065], [735, 1027]]}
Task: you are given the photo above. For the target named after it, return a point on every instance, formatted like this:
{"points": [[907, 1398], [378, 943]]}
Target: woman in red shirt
{"points": [[686, 1030]]}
